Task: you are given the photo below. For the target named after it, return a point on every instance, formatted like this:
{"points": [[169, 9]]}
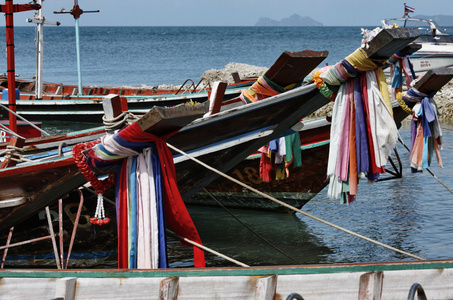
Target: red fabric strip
{"points": [[123, 255], [176, 212]]}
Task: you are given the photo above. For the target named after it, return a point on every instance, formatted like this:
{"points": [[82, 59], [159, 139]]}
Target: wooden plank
{"points": [[370, 287], [293, 67], [216, 97], [410, 49], [236, 77], [65, 288], [389, 41], [162, 120], [429, 83], [266, 287], [112, 106], [169, 288], [433, 80]]}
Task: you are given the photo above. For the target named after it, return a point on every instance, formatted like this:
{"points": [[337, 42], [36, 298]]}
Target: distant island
{"points": [[294, 20], [297, 20], [442, 20]]}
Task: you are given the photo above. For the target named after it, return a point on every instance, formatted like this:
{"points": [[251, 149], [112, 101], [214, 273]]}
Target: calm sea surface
{"points": [[412, 214], [166, 55]]}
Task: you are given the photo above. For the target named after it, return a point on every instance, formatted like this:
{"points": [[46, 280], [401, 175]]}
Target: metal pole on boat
{"points": [[79, 70], [40, 21], [76, 12], [9, 9]]}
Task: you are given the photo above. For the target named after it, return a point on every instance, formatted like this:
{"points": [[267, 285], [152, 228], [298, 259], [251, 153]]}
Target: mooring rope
{"points": [[249, 228], [291, 207], [427, 169], [23, 119], [208, 249]]}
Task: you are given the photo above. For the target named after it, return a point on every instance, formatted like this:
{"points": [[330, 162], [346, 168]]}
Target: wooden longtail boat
{"points": [[225, 148], [304, 182], [38, 100], [211, 139], [400, 280], [88, 108]]}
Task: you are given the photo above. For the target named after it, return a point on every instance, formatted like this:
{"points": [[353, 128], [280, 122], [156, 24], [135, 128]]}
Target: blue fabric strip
{"points": [[163, 262], [133, 213]]}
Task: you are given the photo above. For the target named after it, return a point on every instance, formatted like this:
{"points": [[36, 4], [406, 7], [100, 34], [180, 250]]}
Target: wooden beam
{"points": [[433, 80], [430, 82], [370, 286], [169, 288], [162, 120], [112, 106], [65, 288], [266, 287], [293, 67], [216, 97], [389, 41]]}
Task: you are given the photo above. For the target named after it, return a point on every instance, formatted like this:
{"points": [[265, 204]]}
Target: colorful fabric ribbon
{"points": [[261, 89], [146, 190], [362, 135]]}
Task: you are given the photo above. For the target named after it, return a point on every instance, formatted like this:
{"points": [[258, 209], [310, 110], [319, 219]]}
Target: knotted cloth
{"points": [[121, 148]]}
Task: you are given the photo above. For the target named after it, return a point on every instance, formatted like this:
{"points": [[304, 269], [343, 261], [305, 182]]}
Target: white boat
{"points": [[437, 44]]}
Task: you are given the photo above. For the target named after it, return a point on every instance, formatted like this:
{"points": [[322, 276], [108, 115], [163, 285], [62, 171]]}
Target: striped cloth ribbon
{"points": [[146, 194]]}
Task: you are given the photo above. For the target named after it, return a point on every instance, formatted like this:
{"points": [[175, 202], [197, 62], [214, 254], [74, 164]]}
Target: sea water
{"points": [[412, 213], [166, 55]]}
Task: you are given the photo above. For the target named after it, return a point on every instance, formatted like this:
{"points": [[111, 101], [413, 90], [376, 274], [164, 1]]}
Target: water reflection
{"points": [[411, 214]]}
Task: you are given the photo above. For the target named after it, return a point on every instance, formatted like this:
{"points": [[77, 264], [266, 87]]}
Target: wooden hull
{"points": [[347, 281], [23, 129], [197, 139], [88, 107], [304, 182], [54, 91], [54, 141]]}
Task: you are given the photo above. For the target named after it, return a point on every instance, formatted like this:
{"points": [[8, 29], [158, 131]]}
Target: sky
{"points": [[232, 12]]}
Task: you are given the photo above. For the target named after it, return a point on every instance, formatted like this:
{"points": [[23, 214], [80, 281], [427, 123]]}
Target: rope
{"points": [[23, 119], [429, 171], [208, 249], [11, 153], [249, 228], [119, 121], [12, 133], [293, 208]]}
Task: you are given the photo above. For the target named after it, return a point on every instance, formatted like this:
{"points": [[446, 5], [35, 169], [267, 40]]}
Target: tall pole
{"points": [[40, 21], [10, 64], [9, 9], [79, 69], [76, 12]]}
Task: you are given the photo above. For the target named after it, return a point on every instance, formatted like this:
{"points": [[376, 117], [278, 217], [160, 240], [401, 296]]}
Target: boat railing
{"points": [[194, 87]]}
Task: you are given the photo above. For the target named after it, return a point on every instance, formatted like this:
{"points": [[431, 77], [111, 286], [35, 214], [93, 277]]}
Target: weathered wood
{"points": [[430, 82], [389, 41], [112, 106], [433, 80], [65, 288], [236, 77], [163, 120], [410, 49], [315, 282], [293, 67], [169, 288], [370, 287], [266, 287], [216, 97]]}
